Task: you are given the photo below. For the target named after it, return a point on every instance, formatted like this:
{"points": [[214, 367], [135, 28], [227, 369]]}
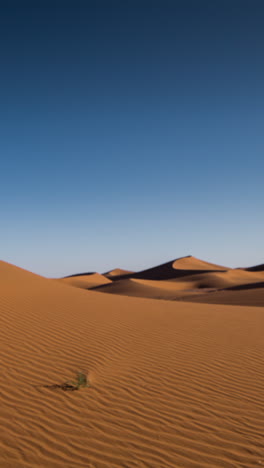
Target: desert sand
{"points": [[117, 273], [86, 281], [173, 383], [191, 279]]}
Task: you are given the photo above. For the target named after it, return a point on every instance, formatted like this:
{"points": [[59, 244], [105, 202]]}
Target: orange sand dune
{"points": [[148, 288], [173, 384], [117, 273], [259, 268], [86, 281], [192, 263], [243, 295], [178, 288], [177, 268], [223, 279]]}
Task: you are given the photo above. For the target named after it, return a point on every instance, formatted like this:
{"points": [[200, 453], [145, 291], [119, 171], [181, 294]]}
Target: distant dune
{"points": [[243, 297], [147, 288], [192, 263], [172, 383], [178, 268], [86, 281], [187, 277], [259, 268], [117, 273]]}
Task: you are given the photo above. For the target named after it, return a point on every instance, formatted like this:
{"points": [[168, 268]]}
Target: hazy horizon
{"points": [[131, 134]]}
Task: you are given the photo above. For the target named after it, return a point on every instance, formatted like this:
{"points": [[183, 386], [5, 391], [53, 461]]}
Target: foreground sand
{"points": [[173, 384]]}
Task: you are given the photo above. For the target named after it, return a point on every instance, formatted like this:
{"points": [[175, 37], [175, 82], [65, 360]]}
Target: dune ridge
{"points": [[118, 273], [259, 268], [177, 268], [86, 281], [172, 383], [244, 295], [202, 282]]}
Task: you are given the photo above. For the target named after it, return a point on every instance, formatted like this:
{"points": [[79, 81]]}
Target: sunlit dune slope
{"points": [[86, 281], [117, 273], [148, 288], [172, 384], [192, 263], [10, 275]]}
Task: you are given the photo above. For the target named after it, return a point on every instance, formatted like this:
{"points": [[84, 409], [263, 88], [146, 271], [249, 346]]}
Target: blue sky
{"points": [[131, 133]]}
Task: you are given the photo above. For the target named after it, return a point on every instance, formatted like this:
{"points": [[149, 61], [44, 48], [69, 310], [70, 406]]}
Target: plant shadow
{"points": [[65, 387]]}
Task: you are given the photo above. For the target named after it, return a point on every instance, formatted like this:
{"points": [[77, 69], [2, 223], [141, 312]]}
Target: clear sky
{"points": [[131, 133]]}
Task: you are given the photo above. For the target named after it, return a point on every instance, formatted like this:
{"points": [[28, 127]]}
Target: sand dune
{"points": [[152, 289], [242, 297], [173, 384], [177, 268], [86, 281], [250, 293], [146, 288], [181, 287], [259, 268], [224, 279], [117, 273], [192, 263]]}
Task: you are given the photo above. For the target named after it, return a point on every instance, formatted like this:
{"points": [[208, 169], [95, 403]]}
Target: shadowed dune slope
{"points": [[86, 281], [259, 268], [173, 384]]}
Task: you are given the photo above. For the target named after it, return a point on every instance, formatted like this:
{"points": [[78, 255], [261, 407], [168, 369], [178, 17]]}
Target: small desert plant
{"points": [[81, 381]]}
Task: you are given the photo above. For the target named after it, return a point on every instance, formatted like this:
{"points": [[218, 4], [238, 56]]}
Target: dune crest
{"points": [[117, 273], [86, 281], [193, 263], [189, 277], [259, 268], [177, 268]]}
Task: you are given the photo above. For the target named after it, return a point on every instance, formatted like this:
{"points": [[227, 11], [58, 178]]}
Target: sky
{"points": [[131, 133]]}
